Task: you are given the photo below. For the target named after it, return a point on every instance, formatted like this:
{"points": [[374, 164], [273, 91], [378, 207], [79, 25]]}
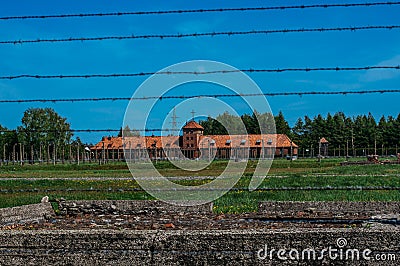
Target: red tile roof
{"points": [[253, 141], [323, 141], [220, 141], [138, 142], [193, 125]]}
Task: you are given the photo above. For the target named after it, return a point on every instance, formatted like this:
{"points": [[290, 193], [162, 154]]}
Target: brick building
{"points": [[193, 144]]}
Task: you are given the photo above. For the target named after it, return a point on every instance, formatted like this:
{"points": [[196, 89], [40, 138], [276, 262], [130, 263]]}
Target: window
{"points": [[242, 142], [269, 141], [187, 138], [191, 131], [191, 138], [258, 142], [191, 145], [139, 145], [228, 142], [212, 142]]}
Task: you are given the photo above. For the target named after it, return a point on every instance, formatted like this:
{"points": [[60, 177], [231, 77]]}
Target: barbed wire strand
{"points": [[272, 94], [191, 11], [248, 70], [204, 34]]}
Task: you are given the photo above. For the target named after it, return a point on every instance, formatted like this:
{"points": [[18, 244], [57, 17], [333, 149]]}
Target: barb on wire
{"points": [[204, 34], [248, 70], [208, 10], [272, 94]]}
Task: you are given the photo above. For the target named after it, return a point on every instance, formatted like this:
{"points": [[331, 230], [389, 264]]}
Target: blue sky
{"points": [[361, 48]]}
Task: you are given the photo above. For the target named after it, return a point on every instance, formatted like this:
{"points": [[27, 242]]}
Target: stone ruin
{"points": [[373, 159]]}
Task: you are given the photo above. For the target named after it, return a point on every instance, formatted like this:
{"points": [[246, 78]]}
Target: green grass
{"points": [[18, 199], [237, 201], [283, 173]]}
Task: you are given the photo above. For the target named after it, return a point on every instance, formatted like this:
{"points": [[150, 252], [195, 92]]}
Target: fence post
{"points": [[21, 155], [54, 153], [4, 152], [103, 156], [32, 155], [77, 153], [70, 153], [63, 154], [40, 153]]}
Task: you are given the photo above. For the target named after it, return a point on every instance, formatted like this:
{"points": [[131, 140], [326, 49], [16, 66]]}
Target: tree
{"points": [[41, 126], [298, 132], [7, 140], [251, 124], [282, 126], [232, 123], [213, 127], [267, 123], [127, 132]]}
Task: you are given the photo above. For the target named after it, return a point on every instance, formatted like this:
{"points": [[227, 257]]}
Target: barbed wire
{"points": [[208, 10], [272, 94], [248, 70], [204, 34]]}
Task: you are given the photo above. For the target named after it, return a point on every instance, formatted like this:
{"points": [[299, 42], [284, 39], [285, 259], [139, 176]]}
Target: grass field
{"points": [[29, 183]]}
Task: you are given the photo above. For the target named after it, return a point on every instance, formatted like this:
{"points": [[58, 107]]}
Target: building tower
{"points": [[323, 147], [191, 138]]}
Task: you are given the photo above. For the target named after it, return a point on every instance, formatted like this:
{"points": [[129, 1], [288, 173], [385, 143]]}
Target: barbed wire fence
{"points": [[248, 70], [50, 153], [192, 11], [203, 34]]}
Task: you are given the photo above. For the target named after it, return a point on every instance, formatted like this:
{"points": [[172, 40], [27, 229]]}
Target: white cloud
{"points": [[383, 74]]}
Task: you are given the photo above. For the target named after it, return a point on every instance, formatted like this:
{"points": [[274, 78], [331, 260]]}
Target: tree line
{"points": [[357, 135], [42, 135]]}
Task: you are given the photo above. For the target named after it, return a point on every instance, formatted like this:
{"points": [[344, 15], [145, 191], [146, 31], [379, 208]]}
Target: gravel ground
{"points": [[188, 222]]}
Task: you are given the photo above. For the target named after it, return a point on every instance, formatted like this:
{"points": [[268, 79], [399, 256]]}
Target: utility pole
{"points": [[192, 112], [174, 123]]}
